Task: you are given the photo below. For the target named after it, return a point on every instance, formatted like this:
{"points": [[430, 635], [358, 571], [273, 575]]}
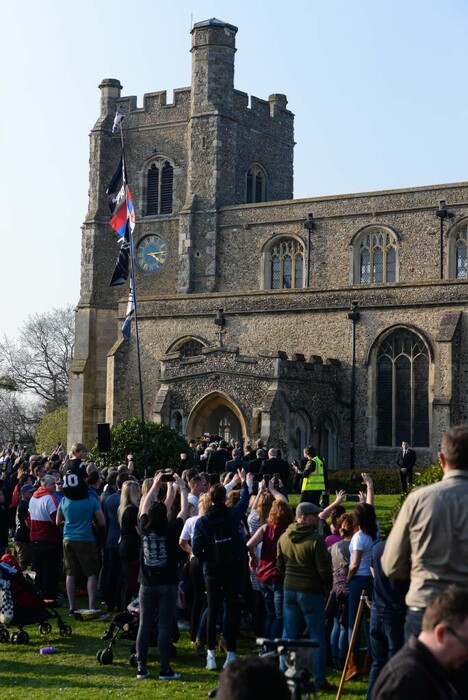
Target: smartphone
{"points": [[276, 480], [167, 477], [352, 498], [267, 478]]}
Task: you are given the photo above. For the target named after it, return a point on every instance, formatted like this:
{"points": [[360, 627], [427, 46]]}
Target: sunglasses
{"points": [[459, 638]]}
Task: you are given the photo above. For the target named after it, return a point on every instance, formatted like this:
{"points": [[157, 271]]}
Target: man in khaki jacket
{"points": [[305, 562], [429, 541]]}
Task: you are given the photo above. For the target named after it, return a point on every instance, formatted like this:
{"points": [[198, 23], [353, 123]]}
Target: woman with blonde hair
{"points": [[145, 487], [129, 543]]}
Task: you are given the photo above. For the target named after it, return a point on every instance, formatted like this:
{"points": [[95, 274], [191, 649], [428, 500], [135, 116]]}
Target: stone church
{"points": [[338, 321]]}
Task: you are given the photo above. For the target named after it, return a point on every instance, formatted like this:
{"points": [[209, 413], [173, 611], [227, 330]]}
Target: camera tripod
{"points": [[295, 660]]}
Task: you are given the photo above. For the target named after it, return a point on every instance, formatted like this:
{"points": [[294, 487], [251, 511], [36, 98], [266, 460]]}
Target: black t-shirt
{"points": [[22, 530], [74, 485], [159, 554], [130, 540]]}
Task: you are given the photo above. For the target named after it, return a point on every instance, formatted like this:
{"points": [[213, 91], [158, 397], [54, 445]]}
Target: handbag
{"points": [[6, 603]]}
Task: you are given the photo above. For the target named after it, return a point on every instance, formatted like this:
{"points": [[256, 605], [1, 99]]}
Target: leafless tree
{"points": [[39, 361], [18, 418]]}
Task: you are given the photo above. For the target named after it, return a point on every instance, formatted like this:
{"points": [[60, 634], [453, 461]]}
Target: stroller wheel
{"points": [[23, 637], [133, 661], [107, 657], [45, 628], [14, 637], [99, 655], [4, 635], [65, 630]]}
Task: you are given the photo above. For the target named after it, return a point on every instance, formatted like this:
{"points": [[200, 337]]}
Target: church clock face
{"points": [[151, 253]]}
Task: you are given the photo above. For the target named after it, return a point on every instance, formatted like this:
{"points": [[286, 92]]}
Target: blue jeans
{"points": [[273, 598], [385, 638], [413, 622], [309, 608], [339, 642], [160, 600], [356, 585]]}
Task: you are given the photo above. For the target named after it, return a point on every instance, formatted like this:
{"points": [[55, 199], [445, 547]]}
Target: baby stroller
{"points": [[28, 606], [124, 625]]}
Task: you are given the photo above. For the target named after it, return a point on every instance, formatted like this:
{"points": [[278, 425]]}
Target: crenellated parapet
{"points": [[267, 364]]}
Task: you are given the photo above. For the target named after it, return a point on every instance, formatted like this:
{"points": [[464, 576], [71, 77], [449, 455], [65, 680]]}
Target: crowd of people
{"points": [[215, 542]]}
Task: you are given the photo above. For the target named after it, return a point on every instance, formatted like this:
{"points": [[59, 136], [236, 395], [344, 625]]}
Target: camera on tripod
{"points": [[296, 662]]}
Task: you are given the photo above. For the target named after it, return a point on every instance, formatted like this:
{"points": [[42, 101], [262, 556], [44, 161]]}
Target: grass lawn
{"points": [[74, 674]]}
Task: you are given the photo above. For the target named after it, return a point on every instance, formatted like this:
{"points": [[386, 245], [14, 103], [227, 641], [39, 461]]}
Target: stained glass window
{"points": [[377, 257], [191, 348], [460, 254], [287, 264], [403, 390]]}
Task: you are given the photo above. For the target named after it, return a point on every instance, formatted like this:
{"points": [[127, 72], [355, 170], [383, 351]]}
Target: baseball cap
{"points": [[308, 509], [27, 488]]}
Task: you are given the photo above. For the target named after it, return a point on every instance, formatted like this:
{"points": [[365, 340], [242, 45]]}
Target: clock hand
{"points": [[154, 255]]}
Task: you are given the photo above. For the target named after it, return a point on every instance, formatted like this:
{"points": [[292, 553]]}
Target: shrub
{"points": [[386, 481], [428, 475], [163, 446]]}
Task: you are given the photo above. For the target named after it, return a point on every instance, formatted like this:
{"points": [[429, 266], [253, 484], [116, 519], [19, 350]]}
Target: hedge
{"points": [[386, 480]]}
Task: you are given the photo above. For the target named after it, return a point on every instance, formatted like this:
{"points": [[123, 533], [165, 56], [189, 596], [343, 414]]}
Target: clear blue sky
{"points": [[378, 87]]}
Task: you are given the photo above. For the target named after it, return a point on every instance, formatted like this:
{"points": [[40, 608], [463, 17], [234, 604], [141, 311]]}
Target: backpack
{"points": [[224, 547]]}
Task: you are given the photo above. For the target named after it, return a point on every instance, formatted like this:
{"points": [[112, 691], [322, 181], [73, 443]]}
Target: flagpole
{"points": [[135, 309], [137, 338]]}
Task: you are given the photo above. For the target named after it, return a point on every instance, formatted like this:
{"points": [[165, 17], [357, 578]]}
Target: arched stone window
{"points": [[300, 434], [329, 440], [402, 389], [191, 348], [375, 256], [177, 421], [458, 259], [256, 185], [159, 187], [284, 264], [188, 346]]}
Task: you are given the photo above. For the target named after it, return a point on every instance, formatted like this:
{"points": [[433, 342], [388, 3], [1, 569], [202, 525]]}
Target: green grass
{"points": [[74, 674]]}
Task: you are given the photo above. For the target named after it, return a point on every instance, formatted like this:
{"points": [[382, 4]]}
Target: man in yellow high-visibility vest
{"points": [[314, 477]]}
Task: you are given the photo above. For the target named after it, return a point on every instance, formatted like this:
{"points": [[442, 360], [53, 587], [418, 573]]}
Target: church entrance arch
{"points": [[217, 414]]}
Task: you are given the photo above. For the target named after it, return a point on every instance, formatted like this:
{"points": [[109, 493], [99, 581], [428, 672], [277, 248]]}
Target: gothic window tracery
{"points": [[286, 264], [460, 243], [402, 400], [191, 348], [376, 257], [159, 187]]}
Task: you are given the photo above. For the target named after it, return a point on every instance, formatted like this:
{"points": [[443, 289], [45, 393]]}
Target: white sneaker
{"points": [[230, 657], [211, 664]]}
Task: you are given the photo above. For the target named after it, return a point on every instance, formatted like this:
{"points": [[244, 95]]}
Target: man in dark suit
{"points": [[255, 464], [216, 462], [232, 465], [276, 465], [405, 461]]}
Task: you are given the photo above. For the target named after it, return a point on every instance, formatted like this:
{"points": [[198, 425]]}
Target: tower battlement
{"points": [[252, 111]]}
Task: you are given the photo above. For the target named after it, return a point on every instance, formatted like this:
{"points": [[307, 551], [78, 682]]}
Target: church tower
{"points": [[187, 160]]}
